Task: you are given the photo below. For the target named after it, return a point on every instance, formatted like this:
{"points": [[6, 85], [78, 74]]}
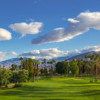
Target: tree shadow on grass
{"points": [[91, 92], [38, 92], [29, 91], [44, 92]]}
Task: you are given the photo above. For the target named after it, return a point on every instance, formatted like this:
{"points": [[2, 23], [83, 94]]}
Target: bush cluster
{"points": [[16, 76]]}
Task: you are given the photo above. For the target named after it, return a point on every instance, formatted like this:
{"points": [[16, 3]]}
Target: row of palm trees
{"points": [[95, 65], [36, 63], [92, 65]]}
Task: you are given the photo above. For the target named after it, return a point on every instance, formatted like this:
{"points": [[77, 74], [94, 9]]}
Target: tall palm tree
{"points": [[37, 62], [87, 67], [35, 65], [80, 65], [52, 62], [94, 67], [21, 59], [97, 66], [45, 61]]}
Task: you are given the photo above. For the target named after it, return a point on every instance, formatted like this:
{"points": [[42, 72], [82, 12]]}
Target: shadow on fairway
{"points": [[56, 93], [44, 92]]}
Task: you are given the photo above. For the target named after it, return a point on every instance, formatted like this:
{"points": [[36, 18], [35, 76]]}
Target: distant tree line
{"points": [[29, 69], [89, 67]]}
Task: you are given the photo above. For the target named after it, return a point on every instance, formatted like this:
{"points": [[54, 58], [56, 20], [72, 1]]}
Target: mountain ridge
{"points": [[9, 62]]}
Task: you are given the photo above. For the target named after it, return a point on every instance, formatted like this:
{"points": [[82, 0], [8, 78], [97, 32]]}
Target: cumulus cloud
{"points": [[43, 53], [73, 20], [3, 55], [79, 25], [49, 53], [91, 48], [24, 28], [84, 50], [54, 53], [13, 53], [4, 34]]}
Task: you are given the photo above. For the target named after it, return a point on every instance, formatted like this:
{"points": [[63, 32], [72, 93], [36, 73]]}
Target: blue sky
{"points": [[52, 14]]}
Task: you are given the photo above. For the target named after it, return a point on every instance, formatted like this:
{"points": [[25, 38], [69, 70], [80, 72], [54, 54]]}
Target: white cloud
{"points": [[73, 20], [79, 25], [49, 53], [3, 55], [84, 50], [91, 48], [43, 53], [54, 53], [24, 28], [13, 53], [4, 34]]}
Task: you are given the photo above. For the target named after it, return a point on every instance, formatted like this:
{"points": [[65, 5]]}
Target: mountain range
{"points": [[9, 62]]}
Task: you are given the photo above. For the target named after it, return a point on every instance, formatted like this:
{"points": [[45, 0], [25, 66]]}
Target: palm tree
{"points": [[97, 66], [80, 65], [33, 71], [96, 60], [66, 60], [44, 62], [35, 65], [86, 56], [51, 62], [87, 67], [21, 59], [92, 70], [37, 62]]}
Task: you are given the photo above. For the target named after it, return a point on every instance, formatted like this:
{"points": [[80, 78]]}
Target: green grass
{"points": [[58, 88]]}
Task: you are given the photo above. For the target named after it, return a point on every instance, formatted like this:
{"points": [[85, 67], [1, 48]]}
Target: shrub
{"points": [[5, 75], [20, 76], [62, 67]]}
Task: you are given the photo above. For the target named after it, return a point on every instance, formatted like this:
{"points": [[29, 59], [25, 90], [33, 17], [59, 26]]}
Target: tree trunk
{"points": [[37, 72], [6, 86], [96, 74], [21, 64], [33, 72]]}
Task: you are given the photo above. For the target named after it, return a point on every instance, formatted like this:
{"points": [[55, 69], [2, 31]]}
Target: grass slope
{"points": [[54, 89]]}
